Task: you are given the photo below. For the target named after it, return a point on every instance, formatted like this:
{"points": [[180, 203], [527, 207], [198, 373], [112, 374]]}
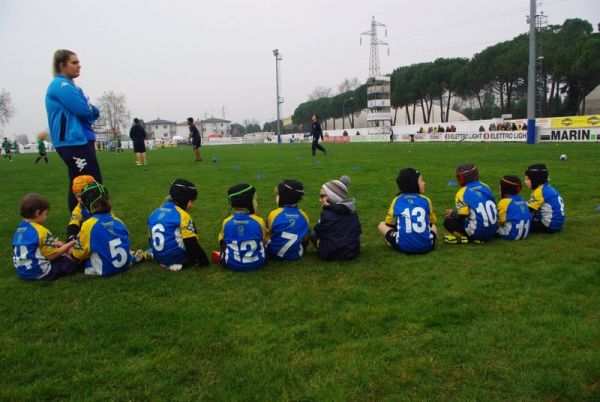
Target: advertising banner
{"points": [[486, 136], [570, 135], [336, 139], [575, 121], [379, 116]]}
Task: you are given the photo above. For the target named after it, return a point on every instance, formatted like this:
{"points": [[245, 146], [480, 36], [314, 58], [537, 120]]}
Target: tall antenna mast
{"points": [[375, 43]]}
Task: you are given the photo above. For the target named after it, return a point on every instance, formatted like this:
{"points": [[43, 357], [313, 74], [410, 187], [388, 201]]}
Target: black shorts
{"points": [[454, 224], [196, 144], [60, 267], [392, 235], [538, 227], [139, 147]]}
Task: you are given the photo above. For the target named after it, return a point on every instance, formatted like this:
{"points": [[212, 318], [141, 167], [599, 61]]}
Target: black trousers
{"points": [[454, 224], [80, 159], [538, 227], [316, 145]]}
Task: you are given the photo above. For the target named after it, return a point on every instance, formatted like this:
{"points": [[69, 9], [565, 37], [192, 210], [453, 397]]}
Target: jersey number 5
{"points": [[118, 254]]}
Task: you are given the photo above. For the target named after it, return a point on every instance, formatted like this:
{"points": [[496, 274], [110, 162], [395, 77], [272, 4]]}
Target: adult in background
{"points": [[317, 134], [137, 133], [70, 119], [195, 138]]}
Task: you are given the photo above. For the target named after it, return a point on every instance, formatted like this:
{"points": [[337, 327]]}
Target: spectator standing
{"points": [[317, 134], [195, 138], [137, 133], [70, 119]]}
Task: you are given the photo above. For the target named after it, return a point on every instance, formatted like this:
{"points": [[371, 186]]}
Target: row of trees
{"points": [[491, 83], [114, 114]]}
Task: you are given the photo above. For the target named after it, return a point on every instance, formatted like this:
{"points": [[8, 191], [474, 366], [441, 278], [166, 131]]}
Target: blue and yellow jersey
{"points": [[412, 216], [287, 228], [548, 205], [103, 245], [514, 218], [32, 244], [79, 215], [169, 225], [243, 236], [476, 202]]}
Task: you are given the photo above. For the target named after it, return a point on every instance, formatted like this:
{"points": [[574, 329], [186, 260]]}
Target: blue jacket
{"points": [[337, 234], [70, 115]]}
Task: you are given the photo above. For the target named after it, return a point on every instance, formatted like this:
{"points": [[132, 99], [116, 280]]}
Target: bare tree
{"points": [[113, 112], [349, 84], [7, 109], [320, 92], [22, 139]]}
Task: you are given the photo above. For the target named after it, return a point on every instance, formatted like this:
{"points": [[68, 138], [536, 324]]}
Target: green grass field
{"points": [[510, 321]]}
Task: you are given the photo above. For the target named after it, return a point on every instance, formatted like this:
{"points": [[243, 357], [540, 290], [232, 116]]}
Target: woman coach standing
{"points": [[70, 120]]}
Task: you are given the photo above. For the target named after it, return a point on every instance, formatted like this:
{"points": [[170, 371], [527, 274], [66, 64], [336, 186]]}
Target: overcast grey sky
{"points": [[181, 58]]}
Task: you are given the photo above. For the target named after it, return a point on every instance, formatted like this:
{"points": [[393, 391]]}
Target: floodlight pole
{"points": [[531, 78], [278, 58], [343, 112]]}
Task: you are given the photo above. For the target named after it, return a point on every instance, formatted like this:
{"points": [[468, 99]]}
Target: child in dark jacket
{"points": [[337, 234]]}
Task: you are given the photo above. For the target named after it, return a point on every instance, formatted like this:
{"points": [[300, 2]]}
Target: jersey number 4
{"points": [[21, 257]]}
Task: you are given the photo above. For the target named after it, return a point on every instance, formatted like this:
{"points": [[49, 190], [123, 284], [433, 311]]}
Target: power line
{"points": [[468, 21]]}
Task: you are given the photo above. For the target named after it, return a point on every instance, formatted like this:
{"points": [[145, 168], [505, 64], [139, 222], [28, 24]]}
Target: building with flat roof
{"points": [[215, 126], [160, 129]]}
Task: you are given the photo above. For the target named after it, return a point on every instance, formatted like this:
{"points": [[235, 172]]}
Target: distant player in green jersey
{"points": [[41, 148], [7, 149]]}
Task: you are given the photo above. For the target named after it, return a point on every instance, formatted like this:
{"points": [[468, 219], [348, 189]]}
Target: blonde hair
{"points": [[60, 57]]}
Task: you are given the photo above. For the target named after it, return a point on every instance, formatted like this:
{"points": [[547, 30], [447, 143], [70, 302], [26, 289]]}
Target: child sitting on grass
{"points": [[103, 241], [80, 213], [409, 225], [337, 234], [475, 215], [514, 218], [243, 234], [288, 226], [37, 253], [173, 235], [546, 204]]}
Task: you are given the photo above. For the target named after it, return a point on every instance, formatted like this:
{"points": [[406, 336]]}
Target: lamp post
{"points": [[343, 112], [531, 76], [279, 100]]}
